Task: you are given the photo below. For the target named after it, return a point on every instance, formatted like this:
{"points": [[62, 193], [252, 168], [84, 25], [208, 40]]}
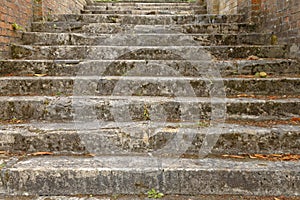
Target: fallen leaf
{"points": [[40, 75], [272, 97], [234, 156], [252, 157], [276, 155], [260, 156], [252, 57], [42, 153], [276, 198], [263, 74], [3, 152], [245, 76], [296, 119]]}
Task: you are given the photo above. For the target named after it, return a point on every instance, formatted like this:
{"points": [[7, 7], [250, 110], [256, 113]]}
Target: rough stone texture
{"points": [[127, 175], [145, 39], [150, 19], [163, 108], [121, 67], [67, 138], [100, 28], [176, 86], [206, 49], [145, 52]]}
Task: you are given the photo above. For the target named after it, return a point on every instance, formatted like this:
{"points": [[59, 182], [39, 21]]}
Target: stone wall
{"points": [[18, 14]]}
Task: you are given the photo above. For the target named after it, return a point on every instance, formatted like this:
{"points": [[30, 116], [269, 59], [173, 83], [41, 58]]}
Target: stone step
{"points": [[146, 52], [175, 39], [144, 6], [277, 67], [141, 137], [143, 85], [144, 3], [107, 108], [141, 196], [149, 19], [147, 12], [117, 28], [138, 174]]}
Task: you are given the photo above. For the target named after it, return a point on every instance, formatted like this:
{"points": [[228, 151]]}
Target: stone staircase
{"points": [[134, 95]]}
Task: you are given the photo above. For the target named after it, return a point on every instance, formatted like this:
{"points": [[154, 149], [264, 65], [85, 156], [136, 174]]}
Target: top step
{"points": [[146, 1]]}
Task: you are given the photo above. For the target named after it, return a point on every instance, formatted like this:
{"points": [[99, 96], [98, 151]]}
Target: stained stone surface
{"points": [[126, 175]]}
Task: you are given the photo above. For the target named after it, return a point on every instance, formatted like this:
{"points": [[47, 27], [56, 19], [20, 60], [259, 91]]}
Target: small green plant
{"points": [[203, 124], [17, 27], [154, 194], [146, 113]]}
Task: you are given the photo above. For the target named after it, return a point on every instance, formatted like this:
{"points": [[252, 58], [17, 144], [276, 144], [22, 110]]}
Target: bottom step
{"points": [[137, 175]]}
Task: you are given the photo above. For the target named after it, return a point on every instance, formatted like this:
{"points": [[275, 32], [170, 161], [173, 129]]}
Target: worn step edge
{"points": [[121, 67], [133, 175], [116, 137], [143, 85], [38, 38], [147, 52], [107, 108]]}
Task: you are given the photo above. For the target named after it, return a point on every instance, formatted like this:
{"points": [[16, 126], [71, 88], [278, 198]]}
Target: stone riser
{"points": [[135, 175], [144, 39], [116, 137], [146, 86], [145, 53], [142, 108], [121, 67], [150, 19]]}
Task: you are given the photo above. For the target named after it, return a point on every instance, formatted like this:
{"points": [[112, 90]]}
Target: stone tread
{"points": [[144, 39], [125, 174], [139, 84], [147, 52], [114, 28], [63, 138], [158, 19], [106, 108], [121, 67]]}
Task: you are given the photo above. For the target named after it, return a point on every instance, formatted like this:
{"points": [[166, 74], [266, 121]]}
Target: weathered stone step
{"points": [[117, 28], [146, 12], [149, 19], [143, 3], [118, 137], [146, 52], [137, 174], [144, 6], [121, 67], [144, 85], [141, 196], [144, 39], [107, 108]]}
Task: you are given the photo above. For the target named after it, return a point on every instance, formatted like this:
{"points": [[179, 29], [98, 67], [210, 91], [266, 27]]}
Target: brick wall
{"points": [[23, 12], [13, 11], [279, 16], [283, 18]]}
